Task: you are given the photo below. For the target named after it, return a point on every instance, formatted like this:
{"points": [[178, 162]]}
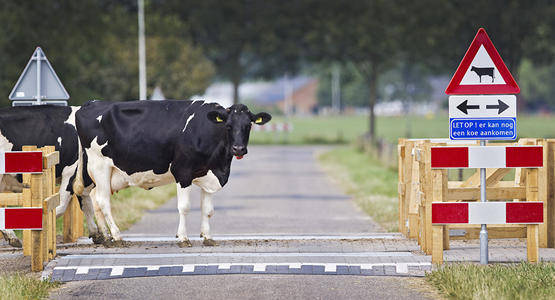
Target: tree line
{"points": [[92, 44]]}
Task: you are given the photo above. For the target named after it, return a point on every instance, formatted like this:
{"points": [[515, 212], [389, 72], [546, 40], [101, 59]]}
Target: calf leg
{"points": [[207, 211], [11, 238], [183, 206]]}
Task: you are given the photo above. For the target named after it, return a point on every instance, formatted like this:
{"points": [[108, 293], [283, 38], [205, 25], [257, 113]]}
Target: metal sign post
{"points": [[484, 230]]}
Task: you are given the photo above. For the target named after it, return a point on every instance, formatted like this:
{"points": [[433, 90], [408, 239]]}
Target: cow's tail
{"points": [[78, 186]]}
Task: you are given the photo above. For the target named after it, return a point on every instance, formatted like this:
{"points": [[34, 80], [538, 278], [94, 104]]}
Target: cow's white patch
{"points": [[187, 123], [119, 179], [208, 182], [60, 141], [5, 144], [99, 118], [71, 118]]}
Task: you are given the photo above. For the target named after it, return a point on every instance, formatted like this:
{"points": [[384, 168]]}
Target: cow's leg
{"points": [[88, 210], [183, 206], [11, 238], [102, 198], [65, 195], [100, 220], [207, 211]]}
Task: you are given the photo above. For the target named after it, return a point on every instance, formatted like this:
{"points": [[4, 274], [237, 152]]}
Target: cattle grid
{"points": [[420, 185]]}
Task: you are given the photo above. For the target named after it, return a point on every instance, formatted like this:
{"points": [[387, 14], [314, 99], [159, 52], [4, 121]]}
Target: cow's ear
{"points": [[261, 118], [216, 117]]}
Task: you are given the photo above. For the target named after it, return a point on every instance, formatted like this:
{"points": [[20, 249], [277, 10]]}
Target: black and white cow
{"points": [[153, 143], [46, 125]]}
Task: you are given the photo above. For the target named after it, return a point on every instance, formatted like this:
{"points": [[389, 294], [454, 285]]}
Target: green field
{"points": [[345, 129]]}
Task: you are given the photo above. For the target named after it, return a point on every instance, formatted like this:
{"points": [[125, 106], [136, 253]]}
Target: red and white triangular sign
{"points": [[482, 71]]}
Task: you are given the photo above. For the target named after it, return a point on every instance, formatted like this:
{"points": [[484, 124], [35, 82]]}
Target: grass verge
{"points": [[129, 205], [20, 286], [373, 186], [469, 281]]}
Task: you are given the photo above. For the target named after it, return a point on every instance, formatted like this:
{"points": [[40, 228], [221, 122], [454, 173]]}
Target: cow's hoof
{"points": [[97, 238], [15, 243], [111, 243], [209, 242], [185, 244]]}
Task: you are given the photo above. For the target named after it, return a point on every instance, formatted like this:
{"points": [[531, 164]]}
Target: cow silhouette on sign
{"points": [[483, 71]]}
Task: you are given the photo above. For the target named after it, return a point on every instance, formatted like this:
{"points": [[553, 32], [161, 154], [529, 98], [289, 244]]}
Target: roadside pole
{"points": [[484, 230]]}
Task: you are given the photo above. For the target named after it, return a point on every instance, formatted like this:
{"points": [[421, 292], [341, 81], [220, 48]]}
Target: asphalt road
{"points": [[273, 191]]}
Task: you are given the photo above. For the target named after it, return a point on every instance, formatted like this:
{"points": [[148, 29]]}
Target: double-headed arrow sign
{"points": [[464, 106], [482, 106]]}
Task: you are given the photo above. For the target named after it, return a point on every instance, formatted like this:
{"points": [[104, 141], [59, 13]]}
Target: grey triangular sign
{"points": [[50, 86]]}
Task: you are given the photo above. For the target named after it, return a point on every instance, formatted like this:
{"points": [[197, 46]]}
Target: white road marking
{"points": [[116, 271], [402, 268], [259, 268], [245, 254], [146, 238], [330, 267], [188, 268], [82, 270]]}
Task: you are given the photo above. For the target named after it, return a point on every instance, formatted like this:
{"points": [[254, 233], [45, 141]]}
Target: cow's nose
{"points": [[238, 149]]}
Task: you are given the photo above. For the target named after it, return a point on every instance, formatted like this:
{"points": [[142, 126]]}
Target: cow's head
{"points": [[237, 120]]}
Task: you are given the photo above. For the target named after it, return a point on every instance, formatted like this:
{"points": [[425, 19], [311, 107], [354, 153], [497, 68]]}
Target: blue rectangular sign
{"points": [[482, 129]]}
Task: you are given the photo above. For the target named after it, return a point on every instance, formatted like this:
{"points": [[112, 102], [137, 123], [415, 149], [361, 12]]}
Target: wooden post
{"points": [[415, 196], [428, 191], [440, 234], [73, 221], [37, 238], [532, 231], [407, 173], [401, 185], [437, 252], [27, 203], [551, 195]]}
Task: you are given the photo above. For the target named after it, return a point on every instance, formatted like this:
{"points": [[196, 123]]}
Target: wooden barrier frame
{"points": [[419, 186], [39, 191]]}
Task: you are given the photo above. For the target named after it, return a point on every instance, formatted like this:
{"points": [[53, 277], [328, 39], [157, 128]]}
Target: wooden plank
{"points": [[37, 258], [551, 194], [401, 185], [73, 221], [493, 176], [52, 202], [26, 233], [532, 239], [11, 199], [493, 193], [437, 252], [494, 231], [50, 159], [542, 194], [407, 172]]}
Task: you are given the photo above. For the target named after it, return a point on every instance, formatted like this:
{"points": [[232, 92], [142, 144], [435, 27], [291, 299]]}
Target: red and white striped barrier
{"points": [[17, 162], [487, 157], [487, 213], [21, 218]]}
